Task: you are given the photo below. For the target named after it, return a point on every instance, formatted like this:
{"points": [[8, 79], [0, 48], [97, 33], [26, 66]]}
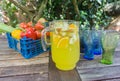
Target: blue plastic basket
{"points": [[28, 48]]}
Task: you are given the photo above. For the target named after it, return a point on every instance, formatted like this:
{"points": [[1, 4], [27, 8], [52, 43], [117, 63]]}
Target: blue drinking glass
{"points": [[97, 44], [81, 41], [88, 45]]}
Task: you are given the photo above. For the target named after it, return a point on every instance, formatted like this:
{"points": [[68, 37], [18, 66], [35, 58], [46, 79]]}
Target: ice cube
{"points": [[65, 26], [73, 39], [58, 25]]}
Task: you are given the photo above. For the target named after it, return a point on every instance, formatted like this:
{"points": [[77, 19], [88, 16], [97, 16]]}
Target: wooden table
{"points": [[13, 67]]}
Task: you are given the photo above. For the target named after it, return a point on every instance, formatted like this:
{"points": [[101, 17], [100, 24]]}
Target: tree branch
{"points": [[23, 8], [76, 9], [114, 23], [41, 8], [80, 1]]}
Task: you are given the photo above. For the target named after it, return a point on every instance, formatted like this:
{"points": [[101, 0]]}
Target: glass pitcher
{"points": [[64, 38]]}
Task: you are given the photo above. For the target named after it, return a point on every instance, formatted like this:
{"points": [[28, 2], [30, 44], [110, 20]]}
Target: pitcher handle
{"points": [[44, 38]]}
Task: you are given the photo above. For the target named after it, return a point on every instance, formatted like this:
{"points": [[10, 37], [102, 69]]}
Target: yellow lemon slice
{"points": [[63, 42], [72, 26], [56, 38]]}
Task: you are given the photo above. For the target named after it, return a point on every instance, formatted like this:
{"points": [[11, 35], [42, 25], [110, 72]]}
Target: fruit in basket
{"points": [[23, 25], [38, 34], [16, 34], [23, 34], [29, 24], [29, 33], [39, 26]]}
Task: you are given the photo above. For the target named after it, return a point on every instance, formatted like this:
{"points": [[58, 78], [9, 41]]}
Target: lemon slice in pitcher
{"points": [[72, 28], [56, 39], [63, 42]]}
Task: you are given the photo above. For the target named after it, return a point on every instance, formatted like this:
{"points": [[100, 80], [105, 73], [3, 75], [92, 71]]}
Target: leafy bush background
{"points": [[91, 11]]}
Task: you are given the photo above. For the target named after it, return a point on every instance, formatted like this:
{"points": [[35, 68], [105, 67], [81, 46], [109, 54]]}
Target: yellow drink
{"points": [[65, 48]]}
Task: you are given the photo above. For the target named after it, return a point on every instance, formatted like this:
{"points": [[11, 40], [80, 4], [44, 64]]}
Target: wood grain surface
{"points": [[13, 67], [57, 75], [95, 71]]}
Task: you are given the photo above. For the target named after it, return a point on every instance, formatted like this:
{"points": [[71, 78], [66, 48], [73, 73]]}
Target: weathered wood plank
{"points": [[113, 79], [3, 37], [10, 51], [7, 49], [25, 69], [17, 62], [3, 40], [15, 56], [96, 62], [5, 46], [99, 73], [57, 75], [29, 77]]}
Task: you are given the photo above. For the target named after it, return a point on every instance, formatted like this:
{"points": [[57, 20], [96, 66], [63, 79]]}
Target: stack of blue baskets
{"points": [[28, 48]]}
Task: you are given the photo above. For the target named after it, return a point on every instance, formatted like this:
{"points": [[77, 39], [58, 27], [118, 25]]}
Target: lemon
{"points": [[63, 42], [56, 38], [72, 26]]}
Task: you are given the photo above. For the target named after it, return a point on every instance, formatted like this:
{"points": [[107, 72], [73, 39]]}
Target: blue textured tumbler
{"points": [[97, 45], [88, 45]]}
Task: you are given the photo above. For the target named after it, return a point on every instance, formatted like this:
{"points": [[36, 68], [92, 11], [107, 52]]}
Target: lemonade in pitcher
{"points": [[65, 45]]}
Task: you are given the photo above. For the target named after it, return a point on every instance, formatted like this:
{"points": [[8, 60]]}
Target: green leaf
{"points": [[6, 28], [99, 1]]}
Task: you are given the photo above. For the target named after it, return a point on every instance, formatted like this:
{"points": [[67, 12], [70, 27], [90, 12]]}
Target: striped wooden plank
{"points": [[28, 77], [15, 56], [99, 73], [7, 63], [24, 69]]}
